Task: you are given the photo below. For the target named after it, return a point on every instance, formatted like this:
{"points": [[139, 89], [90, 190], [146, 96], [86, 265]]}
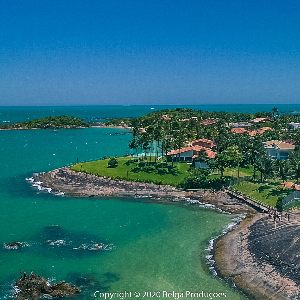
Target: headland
{"points": [[260, 257]]}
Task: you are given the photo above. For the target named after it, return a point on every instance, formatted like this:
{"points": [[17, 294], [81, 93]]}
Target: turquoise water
{"points": [[152, 247]]}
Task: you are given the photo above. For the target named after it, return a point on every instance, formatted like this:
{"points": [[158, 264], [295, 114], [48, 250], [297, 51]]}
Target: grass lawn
{"points": [[233, 172], [266, 192], [126, 172]]}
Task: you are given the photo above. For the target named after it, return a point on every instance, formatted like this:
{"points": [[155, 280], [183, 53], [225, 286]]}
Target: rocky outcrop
{"points": [[262, 257], [78, 184], [13, 245], [33, 287]]}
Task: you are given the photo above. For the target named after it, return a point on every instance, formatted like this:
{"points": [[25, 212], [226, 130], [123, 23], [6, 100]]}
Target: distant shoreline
{"points": [[56, 128], [110, 126]]}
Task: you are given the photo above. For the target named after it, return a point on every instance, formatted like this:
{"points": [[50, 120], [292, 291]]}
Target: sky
{"points": [[135, 52]]}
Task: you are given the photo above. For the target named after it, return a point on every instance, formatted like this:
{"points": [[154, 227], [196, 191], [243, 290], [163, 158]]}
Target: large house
{"points": [[251, 132], [244, 125], [295, 125], [191, 153], [278, 149], [261, 120]]}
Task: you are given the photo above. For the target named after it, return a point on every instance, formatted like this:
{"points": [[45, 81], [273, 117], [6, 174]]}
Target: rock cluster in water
{"points": [[55, 241], [33, 287]]}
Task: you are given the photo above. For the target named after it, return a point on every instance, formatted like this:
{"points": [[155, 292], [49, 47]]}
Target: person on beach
{"points": [[24, 274], [21, 273]]}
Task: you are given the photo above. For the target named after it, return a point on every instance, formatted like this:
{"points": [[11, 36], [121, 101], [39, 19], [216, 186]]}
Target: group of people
{"points": [[24, 275], [273, 213]]}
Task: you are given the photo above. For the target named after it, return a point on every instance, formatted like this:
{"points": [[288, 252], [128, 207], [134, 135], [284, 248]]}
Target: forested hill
{"points": [[48, 123], [188, 114]]}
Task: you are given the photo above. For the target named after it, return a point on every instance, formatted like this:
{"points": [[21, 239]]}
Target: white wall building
{"points": [[278, 149]]}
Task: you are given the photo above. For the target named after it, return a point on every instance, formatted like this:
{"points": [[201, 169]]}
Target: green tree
{"points": [[274, 112], [282, 169], [234, 157], [199, 178], [254, 152], [294, 160], [266, 167], [279, 204], [220, 163]]}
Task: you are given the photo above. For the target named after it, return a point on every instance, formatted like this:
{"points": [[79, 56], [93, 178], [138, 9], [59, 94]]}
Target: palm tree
{"points": [[220, 163], [294, 160], [274, 112], [234, 157], [255, 151], [266, 167], [282, 169]]}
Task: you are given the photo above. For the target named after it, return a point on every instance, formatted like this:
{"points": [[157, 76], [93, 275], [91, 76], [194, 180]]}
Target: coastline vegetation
{"points": [[118, 122], [48, 123], [239, 153]]}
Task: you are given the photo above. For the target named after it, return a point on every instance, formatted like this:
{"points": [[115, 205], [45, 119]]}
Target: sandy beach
{"points": [[260, 257]]}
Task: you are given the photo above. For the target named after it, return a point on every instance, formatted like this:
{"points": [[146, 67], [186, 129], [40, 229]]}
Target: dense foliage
{"points": [[173, 129], [119, 122], [48, 123]]}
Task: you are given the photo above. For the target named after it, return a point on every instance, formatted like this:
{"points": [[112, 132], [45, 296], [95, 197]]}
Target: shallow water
{"points": [[155, 247]]}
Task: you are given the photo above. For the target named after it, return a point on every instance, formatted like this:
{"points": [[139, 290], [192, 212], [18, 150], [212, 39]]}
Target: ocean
{"points": [[148, 250]]}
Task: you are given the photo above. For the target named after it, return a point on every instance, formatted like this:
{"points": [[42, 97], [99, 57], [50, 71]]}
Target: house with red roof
{"points": [[208, 122], [261, 120], [260, 131], [237, 130], [191, 153]]}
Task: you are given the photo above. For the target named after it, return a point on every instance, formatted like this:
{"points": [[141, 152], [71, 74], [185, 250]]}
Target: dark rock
{"points": [[32, 281], [55, 241], [63, 289], [29, 294], [13, 245], [34, 286]]}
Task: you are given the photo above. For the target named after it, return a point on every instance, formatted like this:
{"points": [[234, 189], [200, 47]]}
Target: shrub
{"points": [[112, 163], [279, 205]]}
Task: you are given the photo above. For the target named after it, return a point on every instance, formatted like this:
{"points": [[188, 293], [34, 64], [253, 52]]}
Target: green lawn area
{"points": [[266, 192], [233, 172], [126, 171]]}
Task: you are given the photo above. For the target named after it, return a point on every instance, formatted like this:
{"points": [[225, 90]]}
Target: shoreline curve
{"points": [[247, 257]]}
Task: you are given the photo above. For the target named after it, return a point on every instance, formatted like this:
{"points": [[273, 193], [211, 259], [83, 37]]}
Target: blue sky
{"points": [[73, 52]]}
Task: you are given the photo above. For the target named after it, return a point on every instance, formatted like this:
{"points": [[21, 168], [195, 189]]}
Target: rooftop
{"points": [[278, 145]]}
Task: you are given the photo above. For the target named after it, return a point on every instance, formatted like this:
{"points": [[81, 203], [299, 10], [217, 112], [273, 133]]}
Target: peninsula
{"points": [[59, 122], [260, 257], [196, 157]]}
